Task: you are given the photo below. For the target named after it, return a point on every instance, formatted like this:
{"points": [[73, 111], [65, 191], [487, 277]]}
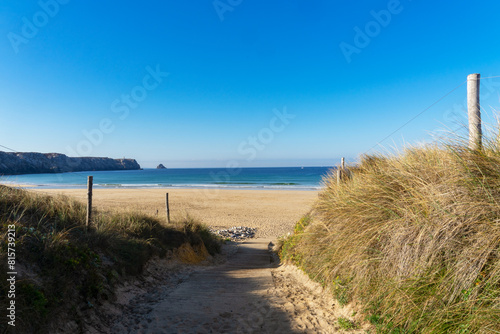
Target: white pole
{"points": [[475, 133]]}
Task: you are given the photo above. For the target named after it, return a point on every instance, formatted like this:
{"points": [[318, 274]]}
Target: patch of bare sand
{"points": [[313, 308], [272, 212]]}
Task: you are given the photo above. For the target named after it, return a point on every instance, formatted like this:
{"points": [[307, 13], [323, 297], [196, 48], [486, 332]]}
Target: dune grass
{"points": [[64, 268], [413, 238]]}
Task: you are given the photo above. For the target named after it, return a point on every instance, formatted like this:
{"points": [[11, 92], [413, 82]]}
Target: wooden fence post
{"points": [[90, 181], [168, 209], [474, 109], [340, 171]]}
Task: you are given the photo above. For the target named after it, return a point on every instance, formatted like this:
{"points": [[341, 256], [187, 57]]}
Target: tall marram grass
{"points": [[413, 238], [64, 268]]}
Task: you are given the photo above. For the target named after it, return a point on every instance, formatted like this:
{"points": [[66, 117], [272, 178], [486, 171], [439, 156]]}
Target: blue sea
{"points": [[279, 178]]}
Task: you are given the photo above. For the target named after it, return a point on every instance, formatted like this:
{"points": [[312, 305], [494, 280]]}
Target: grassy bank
{"points": [[63, 268], [414, 239]]}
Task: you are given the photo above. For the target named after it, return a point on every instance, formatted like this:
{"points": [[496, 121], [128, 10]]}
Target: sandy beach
{"points": [[272, 212]]}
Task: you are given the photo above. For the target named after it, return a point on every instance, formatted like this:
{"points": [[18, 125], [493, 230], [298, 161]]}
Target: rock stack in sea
{"points": [[237, 233]]}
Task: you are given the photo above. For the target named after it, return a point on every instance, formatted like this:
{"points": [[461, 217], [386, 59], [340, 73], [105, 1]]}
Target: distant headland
{"points": [[14, 163]]}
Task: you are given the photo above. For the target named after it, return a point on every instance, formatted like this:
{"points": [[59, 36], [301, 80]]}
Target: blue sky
{"points": [[251, 83]]}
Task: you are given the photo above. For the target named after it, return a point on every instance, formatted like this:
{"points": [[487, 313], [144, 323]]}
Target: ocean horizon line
{"points": [[281, 178], [270, 167]]}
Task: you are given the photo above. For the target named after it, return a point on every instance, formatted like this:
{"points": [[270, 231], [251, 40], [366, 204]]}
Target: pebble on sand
{"points": [[237, 233]]}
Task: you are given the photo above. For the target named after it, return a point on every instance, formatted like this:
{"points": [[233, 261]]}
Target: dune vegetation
{"points": [[412, 239], [64, 268]]}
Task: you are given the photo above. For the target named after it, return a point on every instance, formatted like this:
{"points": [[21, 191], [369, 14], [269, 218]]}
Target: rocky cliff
{"points": [[34, 163]]}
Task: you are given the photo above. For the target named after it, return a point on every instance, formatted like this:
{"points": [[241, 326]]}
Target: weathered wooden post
{"points": [[340, 171], [90, 181], [474, 109], [168, 209]]}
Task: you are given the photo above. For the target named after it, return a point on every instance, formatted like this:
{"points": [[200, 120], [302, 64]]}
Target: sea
{"points": [[277, 178]]}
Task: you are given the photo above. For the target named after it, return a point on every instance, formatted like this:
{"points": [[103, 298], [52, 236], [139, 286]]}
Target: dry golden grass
{"points": [[414, 237], [63, 267]]}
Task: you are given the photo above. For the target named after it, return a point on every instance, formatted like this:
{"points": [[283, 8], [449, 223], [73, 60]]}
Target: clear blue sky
{"points": [[73, 67]]}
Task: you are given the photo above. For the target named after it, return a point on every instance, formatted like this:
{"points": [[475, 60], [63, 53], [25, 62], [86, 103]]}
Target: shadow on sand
{"points": [[235, 297]]}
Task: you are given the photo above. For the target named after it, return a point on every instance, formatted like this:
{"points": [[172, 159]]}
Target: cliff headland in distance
{"points": [[14, 163]]}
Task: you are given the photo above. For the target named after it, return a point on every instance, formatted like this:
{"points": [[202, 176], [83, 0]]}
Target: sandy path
{"points": [[247, 294], [225, 299]]}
